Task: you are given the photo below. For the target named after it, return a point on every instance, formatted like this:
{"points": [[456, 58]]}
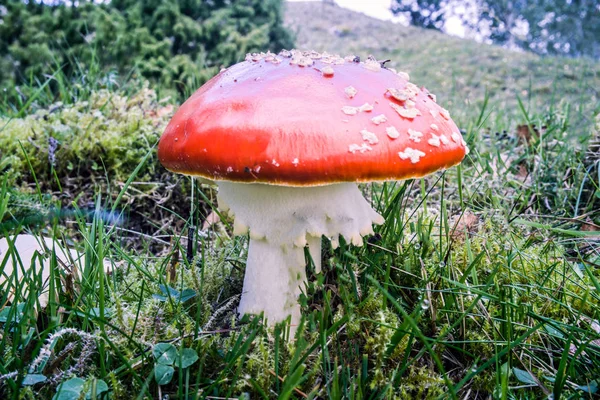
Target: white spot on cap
{"points": [[415, 136], [275, 163], [229, 169], [457, 137], [372, 65], [369, 137], [412, 154], [409, 113], [327, 71], [353, 148], [444, 139], [403, 75], [350, 91], [434, 113], [435, 127], [392, 132], [349, 110], [379, 119], [434, 141], [295, 162], [257, 169], [366, 107], [432, 97], [399, 94], [254, 57], [298, 58], [412, 89], [305, 62], [444, 113]]}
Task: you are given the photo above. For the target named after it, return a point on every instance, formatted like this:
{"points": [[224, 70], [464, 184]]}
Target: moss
{"points": [[109, 134], [420, 383]]}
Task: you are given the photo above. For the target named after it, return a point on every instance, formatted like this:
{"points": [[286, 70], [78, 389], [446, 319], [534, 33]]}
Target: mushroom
{"points": [[287, 143]]}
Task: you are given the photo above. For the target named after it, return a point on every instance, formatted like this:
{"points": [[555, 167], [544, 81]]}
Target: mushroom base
{"points": [[282, 221]]}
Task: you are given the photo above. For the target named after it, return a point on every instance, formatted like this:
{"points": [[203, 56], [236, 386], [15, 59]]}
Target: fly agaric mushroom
{"points": [[287, 138]]}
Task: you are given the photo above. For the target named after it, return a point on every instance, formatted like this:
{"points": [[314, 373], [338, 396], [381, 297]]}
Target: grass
{"points": [[483, 282]]}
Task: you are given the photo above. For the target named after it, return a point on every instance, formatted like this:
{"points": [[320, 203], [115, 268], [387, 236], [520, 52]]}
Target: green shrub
{"points": [[177, 44]]}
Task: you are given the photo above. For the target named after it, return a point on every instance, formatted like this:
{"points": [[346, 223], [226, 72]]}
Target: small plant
{"points": [[75, 387], [167, 358], [168, 293]]}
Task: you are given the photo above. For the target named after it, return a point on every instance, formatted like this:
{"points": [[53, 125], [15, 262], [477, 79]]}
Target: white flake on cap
{"points": [[369, 137], [435, 140], [372, 65], [444, 139], [349, 110], [444, 113], [379, 119], [403, 75], [457, 137], [409, 113], [415, 136], [353, 148], [434, 127], [327, 71], [229, 169], [295, 162], [350, 91], [412, 154], [399, 94], [298, 58], [412, 89], [270, 57], [315, 55], [366, 107], [392, 132]]}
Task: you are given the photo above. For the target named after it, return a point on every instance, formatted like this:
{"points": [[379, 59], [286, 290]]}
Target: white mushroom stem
{"points": [[282, 221]]}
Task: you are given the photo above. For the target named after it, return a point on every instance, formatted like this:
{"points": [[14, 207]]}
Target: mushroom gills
{"points": [[282, 221]]}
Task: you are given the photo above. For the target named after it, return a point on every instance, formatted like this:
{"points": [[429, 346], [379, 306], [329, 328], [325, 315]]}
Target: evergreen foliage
{"points": [[175, 43]]}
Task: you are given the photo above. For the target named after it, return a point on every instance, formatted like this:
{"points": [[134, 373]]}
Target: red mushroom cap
{"points": [[305, 119]]}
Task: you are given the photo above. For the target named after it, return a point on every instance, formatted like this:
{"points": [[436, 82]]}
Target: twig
{"points": [[301, 393]]}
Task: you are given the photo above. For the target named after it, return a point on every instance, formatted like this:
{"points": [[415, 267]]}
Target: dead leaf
{"points": [[526, 135], [465, 223], [589, 226]]}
